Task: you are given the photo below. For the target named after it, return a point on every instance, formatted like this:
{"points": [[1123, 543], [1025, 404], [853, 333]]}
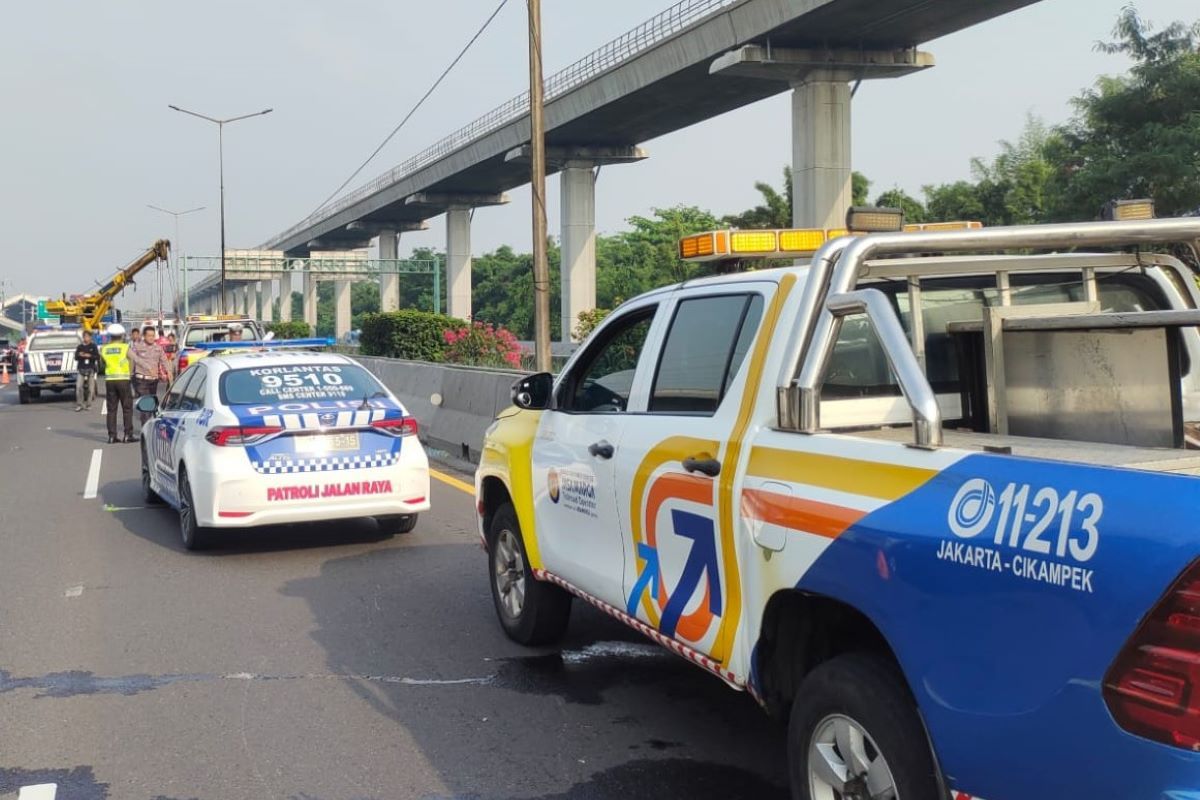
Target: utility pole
{"points": [[537, 124]]}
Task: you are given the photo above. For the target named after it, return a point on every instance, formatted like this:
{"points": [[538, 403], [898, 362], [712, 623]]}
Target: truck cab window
{"points": [[600, 383], [707, 341], [859, 368]]}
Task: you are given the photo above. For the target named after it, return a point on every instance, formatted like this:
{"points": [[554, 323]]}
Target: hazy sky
{"points": [[86, 139]]}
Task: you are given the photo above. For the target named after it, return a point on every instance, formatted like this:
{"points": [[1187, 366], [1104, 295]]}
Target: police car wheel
{"points": [[396, 523], [148, 493], [855, 734], [530, 611], [194, 536], [23, 395]]}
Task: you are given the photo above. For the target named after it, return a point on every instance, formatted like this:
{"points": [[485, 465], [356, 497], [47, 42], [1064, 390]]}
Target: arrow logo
{"points": [[702, 560], [648, 578]]}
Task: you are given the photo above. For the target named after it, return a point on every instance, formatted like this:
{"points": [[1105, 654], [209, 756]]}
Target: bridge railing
{"points": [[656, 29]]}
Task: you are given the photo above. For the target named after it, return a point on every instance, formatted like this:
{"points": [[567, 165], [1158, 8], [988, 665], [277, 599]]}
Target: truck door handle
{"points": [[600, 449], [708, 466]]}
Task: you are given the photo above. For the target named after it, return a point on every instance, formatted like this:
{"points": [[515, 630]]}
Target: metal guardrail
{"points": [[650, 33]]}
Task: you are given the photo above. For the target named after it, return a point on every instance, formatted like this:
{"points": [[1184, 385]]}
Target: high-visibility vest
{"points": [[116, 361]]}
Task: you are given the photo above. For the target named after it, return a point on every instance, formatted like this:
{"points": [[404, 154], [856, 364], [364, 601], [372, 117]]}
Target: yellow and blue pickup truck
{"points": [[931, 496]]}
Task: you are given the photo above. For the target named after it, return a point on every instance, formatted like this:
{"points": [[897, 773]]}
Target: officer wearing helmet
{"points": [[117, 386]]}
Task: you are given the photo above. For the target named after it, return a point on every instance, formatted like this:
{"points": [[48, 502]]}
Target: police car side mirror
{"points": [[147, 404], [533, 392]]}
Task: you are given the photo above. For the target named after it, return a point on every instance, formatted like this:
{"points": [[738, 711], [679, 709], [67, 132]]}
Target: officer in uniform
{"points": [[117, 386]]}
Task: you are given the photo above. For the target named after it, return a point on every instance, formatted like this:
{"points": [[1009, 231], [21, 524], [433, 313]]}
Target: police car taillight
{"points": [[1153, 688], [240, 435], [24, 363], [404, 426]]}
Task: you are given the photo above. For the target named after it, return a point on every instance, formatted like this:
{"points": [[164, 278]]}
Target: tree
{"points": [[860, 189], [898, 198], [1137, 135], [775, 211]]}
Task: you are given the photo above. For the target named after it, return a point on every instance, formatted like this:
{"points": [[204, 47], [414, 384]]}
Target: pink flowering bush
{"points": [[482, 344]]}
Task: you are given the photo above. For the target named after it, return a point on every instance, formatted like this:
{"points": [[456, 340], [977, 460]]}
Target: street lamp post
{"points": [[177, 248], [537, 126], [221, 123]]}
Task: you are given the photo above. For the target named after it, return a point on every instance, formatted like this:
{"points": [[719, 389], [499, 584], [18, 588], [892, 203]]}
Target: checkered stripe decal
{"points": [[325, 463]]}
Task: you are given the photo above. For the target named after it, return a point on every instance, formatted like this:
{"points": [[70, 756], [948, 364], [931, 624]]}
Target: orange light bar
{"points": [[753, 242], [801, 241]]}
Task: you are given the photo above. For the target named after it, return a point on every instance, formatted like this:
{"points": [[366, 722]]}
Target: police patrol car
{"points": [[934, 506], [263, 434], [48, 363]]}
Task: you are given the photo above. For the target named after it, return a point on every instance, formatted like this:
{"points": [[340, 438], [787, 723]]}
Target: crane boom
{"points": [[90, 309]]}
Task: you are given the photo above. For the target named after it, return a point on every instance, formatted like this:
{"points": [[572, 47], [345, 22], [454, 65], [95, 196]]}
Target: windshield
{"points": [[218, 333], [54, 341], [298, 383]]}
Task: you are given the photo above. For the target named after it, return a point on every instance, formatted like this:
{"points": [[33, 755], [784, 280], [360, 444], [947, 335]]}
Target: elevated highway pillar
{"points": [[266, 298], [577, 206], [821, 94], [341, 309], [458, 261], [310, 301], [578, 168], [821, 188], [389, 279], [285, 298], [460, 208]]}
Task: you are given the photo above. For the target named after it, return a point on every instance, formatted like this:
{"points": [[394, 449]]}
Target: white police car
{"points": [[262, 435]]}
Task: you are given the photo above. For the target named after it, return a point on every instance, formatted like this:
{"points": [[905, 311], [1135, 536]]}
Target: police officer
{"points": [[117, 388]]}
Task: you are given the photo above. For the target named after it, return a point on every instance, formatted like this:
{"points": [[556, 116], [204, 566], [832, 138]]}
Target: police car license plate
{"points": [[55, 379], [327, 443]]}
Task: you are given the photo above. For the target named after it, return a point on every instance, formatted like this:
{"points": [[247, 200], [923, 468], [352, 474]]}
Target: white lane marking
{"points": [[74, 591], [104, 408], [39, 791], [93, 476]]}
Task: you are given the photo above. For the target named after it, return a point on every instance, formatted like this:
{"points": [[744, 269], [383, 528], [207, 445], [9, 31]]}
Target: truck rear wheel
{"points": [[855, 734], [532, 612]]}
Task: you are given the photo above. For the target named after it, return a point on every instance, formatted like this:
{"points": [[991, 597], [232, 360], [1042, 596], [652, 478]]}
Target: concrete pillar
{"points": [[578, 208], [341, 309], [249, 300], [458, 261], [310, 301], [389, 279], [285, 298], [820, 153], [266, 296], [228, 306]]}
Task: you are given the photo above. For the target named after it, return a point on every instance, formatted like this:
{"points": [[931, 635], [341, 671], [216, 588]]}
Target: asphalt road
{"points": [[315, 662]]}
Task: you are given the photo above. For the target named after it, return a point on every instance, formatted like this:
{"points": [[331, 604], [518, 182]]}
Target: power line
{"points": [[415, 108]]}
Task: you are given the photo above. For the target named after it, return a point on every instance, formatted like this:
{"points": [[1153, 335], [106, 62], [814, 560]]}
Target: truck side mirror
{"points": [[147, 404], [533, 392]]}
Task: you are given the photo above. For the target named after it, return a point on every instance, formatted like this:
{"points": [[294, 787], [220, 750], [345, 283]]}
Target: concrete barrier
{"points": [[470, 399]]}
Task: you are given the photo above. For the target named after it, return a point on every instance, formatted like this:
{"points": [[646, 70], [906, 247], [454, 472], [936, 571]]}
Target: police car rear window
{"points": [[293, 383], [63, 341]]}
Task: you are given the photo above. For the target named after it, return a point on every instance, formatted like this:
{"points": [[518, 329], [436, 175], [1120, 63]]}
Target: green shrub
{"points": [[413, 335], [289, 330]]}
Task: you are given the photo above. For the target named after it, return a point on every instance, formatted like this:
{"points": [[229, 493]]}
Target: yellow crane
{"points": [[89, 309]]}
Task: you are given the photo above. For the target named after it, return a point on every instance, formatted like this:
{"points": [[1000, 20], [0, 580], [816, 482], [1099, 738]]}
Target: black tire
{"points": [[23, 395], [35, 393], [396, 523], [148, 494], [538, 612], [194, 537], [869, 691]]}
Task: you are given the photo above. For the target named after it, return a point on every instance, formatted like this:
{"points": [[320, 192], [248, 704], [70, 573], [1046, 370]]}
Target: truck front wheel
{"points": [[855, 734], [531, 612]]}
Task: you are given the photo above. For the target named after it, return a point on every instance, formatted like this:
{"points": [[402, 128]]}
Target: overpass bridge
{"points": [[696, 60]]}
